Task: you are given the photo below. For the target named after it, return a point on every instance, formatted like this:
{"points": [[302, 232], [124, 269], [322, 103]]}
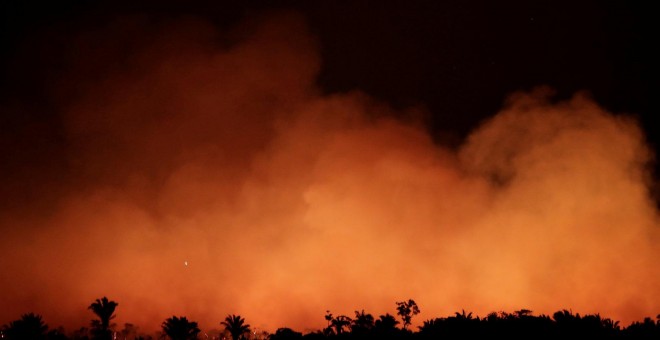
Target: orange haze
{"points": [[217, 148]]}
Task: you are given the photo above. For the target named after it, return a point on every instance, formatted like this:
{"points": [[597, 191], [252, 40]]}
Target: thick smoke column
{"points": [[217, 150]]}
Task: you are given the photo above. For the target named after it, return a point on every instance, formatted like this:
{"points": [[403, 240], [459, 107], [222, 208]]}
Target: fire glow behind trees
{"points": [[203, 173]]}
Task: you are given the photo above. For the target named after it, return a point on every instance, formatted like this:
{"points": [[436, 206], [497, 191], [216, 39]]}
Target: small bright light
{"points": [[185, 263]]}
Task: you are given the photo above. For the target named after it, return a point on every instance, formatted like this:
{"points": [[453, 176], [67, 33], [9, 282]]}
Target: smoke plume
{"points": [[202, 173]]}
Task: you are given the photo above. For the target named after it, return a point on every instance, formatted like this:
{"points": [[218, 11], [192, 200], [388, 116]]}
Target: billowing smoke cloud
{"points": [[206, 175]]}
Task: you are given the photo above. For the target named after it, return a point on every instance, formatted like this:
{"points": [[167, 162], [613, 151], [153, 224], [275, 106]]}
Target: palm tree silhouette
{"points": [[236, 326], [430, 326], [180, 328], [104, 309], [386, 323], [468, 316], [339, 323], [362, 323], [29, 327]]}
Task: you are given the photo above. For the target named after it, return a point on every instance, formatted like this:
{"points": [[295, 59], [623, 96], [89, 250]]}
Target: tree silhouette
{"points": [[130, 331], [29, 327], [611, 325], [336, 325], [467, 316], [104, 309], [430, 326], [180, 328], [328, 318], [521, 313], [386, 323], [520, 324], [56, 334], [80, 333], [407, 309], [236, 326], [647, 329], [363, 322], [285, 334], [340, 322]]}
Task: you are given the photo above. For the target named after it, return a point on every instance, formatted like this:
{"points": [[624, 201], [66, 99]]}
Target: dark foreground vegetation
{"points": [[520, 324]]}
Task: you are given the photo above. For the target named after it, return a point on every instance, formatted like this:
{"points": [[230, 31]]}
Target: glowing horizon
{"points": [[206, 180]]}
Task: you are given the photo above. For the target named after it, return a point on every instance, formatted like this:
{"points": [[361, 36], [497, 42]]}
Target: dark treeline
{"points": [[520, 324]]}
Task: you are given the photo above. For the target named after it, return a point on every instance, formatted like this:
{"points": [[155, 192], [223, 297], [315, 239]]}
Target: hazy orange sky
{"points": [[205, 178]]}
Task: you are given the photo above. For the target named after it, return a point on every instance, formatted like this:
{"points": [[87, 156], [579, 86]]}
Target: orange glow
{"points": [[215, 180]]}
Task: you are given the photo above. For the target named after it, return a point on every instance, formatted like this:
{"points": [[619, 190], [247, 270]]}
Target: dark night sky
{"points": [[444, 54], [459, 59]]}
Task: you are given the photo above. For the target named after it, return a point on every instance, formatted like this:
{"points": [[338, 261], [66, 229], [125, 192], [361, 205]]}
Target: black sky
{"points": [[458, 59]]}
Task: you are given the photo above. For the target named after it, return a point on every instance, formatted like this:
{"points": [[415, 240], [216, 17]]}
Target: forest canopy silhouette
{"points": [[520, 324], [190, 171]]}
